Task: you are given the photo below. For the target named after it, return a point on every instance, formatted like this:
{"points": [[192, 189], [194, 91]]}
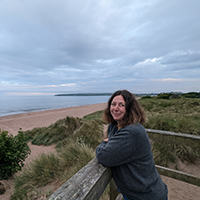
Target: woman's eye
{"points": [[120, 104]]}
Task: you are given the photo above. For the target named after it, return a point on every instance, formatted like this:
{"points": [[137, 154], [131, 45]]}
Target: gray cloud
{"points": [[89, 46]]}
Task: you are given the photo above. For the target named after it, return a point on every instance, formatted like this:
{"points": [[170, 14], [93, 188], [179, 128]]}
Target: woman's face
{"points": [[117, 108]]}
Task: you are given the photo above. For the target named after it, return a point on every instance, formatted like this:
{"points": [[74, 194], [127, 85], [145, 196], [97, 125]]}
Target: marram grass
{"points": [[48, 168], [76, 141], [175, 115]]}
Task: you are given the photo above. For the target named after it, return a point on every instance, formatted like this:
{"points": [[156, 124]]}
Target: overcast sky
{"points": [[65, 46]]}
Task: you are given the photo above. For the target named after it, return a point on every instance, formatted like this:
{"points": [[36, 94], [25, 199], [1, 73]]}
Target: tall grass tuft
{"points": [[40, 172], [74, 157], [89, 133], [97, 116], [48, 168], [163, 153], [54, 133]]}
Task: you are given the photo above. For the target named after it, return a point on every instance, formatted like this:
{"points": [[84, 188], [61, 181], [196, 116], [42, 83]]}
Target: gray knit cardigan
{"points": [[128, 153]]}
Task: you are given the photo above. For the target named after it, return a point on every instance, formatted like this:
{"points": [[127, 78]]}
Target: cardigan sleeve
{"points": [[118, 150]]}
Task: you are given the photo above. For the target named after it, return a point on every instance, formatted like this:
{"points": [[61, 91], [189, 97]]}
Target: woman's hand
{"points": [[106, 140]]}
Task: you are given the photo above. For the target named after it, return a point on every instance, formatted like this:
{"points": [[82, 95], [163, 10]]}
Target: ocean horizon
{"points": [[11, 105]]}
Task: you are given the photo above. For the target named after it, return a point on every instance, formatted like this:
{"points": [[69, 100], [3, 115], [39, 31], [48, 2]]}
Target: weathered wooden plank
{"points": [[179, 138], [88, 183], [178, 175], [102, 180]]}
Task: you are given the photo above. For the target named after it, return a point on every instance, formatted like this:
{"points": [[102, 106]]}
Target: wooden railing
{"points": [[90, 182], [178, 138]]}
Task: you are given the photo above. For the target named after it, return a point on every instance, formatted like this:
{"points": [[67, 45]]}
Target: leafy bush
{"points": [[13, 152], [164, 96], [191, 95], [146, 97], [175, 96]]}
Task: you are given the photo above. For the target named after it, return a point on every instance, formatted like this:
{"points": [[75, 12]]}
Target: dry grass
{"points": [[176, 115]]}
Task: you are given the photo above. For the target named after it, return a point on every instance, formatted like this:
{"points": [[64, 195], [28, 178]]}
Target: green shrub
{"points": [[164, 96], [146, 97], [191, 95], [175, 96], [13, 152]]}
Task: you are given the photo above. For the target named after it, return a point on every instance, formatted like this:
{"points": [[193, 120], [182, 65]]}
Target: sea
{"points": [[10, 105]]}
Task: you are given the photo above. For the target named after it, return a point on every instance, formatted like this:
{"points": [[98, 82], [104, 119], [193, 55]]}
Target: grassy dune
{"points": [[176, 115], [75, 139]]}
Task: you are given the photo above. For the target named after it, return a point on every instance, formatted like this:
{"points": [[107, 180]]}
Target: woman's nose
{"points": [[116, 107]]}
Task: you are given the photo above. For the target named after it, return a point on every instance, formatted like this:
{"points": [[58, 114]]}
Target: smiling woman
{"points": [[127, 150]]}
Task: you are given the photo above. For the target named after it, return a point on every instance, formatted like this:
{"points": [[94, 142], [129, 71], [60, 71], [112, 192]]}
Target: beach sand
{"points": [[178, 190]]}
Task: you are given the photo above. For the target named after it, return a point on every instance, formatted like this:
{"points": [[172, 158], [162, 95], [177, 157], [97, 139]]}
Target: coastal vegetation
{"points": [[172, 95], [13, 152], [76, 140], [181, 115]]}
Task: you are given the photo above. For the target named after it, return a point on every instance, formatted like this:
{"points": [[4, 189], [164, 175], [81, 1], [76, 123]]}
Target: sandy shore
{"points": [[28, 121], [177, 190]]}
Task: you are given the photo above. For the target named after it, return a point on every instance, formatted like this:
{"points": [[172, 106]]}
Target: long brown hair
{"points": [[134, 111]]}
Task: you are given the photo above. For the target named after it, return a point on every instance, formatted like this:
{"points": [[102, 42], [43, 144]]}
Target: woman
{"points": [[127, 150]]}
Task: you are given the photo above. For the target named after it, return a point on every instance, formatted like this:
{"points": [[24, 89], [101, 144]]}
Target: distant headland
{"points": [[86, 94]]}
